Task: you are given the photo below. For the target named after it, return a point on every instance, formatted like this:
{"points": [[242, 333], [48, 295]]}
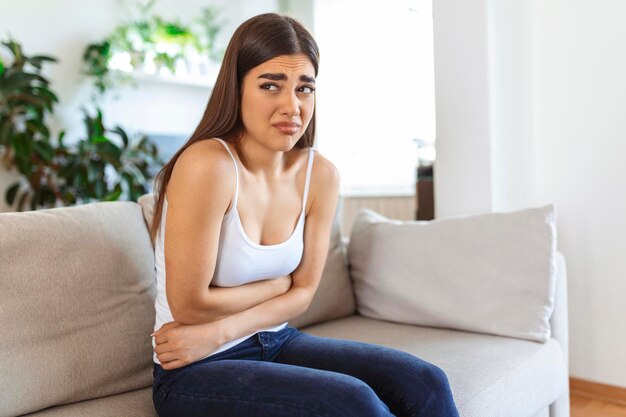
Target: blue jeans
{"points": [[291, 373]]}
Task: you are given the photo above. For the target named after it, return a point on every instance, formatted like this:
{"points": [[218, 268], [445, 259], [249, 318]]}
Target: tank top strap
{"points": [[236, 171], [308, 177]]}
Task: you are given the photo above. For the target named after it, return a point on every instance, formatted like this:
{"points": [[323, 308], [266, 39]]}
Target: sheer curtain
{"points": [[375, 91]]}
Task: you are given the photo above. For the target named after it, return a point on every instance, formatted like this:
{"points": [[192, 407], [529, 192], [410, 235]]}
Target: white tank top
{"points": [[239, 259]]}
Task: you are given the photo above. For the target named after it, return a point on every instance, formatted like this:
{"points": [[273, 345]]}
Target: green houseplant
{"points": [[148, 43], [25, 102], [105, 165]]}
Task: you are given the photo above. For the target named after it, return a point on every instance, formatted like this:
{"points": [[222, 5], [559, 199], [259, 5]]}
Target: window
{"points": [[375, 92]]}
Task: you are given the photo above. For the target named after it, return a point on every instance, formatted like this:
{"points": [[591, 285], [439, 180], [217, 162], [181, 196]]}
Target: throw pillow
{"points": [[491, 273]]}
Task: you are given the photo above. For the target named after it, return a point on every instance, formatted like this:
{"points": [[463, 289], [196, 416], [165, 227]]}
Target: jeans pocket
{"points": [[156, 374]]}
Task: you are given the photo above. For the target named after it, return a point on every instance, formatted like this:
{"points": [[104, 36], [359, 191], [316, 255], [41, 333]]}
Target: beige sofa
{"points": [[77, 288]]}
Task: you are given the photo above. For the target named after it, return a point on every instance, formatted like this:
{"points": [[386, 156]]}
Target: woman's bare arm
{"points": [[222, 302], [198, 194]]}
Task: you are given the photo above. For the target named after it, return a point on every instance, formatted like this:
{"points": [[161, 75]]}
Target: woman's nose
{"points": [[290, 105]]}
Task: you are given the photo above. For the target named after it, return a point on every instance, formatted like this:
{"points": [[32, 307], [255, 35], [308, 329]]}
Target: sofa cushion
{"points": [[334, 297], [491, 273], [77, 305], [135, 403], [490, 376]]}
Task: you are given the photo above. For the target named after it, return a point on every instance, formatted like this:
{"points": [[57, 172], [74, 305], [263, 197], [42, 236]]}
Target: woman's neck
{"points": [[263, 162]]}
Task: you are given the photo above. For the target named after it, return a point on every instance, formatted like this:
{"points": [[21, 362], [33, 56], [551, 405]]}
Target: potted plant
{"points": [[26, 101], [105, 165]]}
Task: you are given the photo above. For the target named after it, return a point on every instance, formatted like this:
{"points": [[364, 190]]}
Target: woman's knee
{"points": [[354, 397], [435, 394], [437, 378]]}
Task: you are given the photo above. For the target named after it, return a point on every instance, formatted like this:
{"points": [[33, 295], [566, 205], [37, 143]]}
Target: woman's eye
{"points": [[269, 86], [308, 89]]}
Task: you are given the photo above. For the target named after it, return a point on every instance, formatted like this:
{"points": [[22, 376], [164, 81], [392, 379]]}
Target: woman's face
{"points": [[278, 100]]}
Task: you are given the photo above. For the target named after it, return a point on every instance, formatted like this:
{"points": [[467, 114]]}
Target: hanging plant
{"points": [[148, 42]]}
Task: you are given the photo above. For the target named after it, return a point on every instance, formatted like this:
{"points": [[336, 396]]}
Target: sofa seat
{"points": [[136, 403], [489, 375], [482, 369]]}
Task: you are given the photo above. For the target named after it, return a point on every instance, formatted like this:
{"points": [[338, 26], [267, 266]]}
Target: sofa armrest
{"points": [[559, 319]]}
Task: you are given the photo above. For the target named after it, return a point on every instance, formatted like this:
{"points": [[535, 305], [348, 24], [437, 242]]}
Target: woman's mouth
{"points": [[288, 128]]}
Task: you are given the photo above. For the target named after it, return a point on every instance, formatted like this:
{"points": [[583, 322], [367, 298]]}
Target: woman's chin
{"points": [[286, 142]]}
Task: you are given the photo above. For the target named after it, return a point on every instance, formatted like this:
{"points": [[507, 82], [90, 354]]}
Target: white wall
{"points": [[581, 131], [555, 106], [63, 28], [462, 107]]}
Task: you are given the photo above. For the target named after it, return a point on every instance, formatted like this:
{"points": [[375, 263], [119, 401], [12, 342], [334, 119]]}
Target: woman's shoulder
{"points": [[204, 156], [204, 165], [324, 170], [325, 180]]}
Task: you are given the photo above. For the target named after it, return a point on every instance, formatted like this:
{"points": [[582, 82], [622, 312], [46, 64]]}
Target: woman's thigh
{"points": [[409, 385], [259, 388]]}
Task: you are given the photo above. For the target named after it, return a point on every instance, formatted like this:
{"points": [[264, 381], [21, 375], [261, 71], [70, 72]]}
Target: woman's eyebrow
{"points": [[283, 77]]}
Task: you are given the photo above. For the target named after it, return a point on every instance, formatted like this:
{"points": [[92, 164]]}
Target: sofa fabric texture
{"points": [[77, 305], [490, 376], [136, 403], [490, 273]]}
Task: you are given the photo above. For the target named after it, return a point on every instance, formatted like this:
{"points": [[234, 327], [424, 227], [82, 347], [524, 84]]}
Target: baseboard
{"points": [[598, 391]]}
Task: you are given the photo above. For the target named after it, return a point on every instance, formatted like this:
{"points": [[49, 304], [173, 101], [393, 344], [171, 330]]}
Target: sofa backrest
{"points": [[77, 305]]}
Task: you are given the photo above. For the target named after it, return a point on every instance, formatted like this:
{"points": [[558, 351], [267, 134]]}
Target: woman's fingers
{"points": [[162, 348], [160, 338], [172, 365], [165, 357], [166, 326]]}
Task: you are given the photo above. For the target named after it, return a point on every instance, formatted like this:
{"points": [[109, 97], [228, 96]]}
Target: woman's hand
{"points": [[178, 345], [283, 284]]}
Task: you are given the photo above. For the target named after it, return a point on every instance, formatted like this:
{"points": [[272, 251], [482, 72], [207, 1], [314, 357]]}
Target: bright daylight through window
{"points": [[376, 92]]}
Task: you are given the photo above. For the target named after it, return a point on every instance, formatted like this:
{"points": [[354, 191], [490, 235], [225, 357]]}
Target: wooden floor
{"points": [[589, 407]]}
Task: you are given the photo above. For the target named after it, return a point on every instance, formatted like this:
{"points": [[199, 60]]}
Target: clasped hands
{"points": [[179, 344]]}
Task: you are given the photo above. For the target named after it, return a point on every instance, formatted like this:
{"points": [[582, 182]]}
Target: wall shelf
{"points": [[193, 81]]}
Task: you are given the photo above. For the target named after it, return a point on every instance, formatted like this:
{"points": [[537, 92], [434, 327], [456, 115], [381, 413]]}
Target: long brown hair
{"points": [[257, 40]]}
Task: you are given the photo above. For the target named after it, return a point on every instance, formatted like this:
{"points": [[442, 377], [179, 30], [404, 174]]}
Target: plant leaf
{"points": [[5, 131], [37, 60], [20, 204], [122, 134], [19, 80], [100, 139], [44, 150], [15, 100], [11, 193], [46, 94], [35, 126], [115, 195], [61, 136]]}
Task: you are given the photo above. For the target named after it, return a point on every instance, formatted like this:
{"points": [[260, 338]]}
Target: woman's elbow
{"points": [[184, 312], [306, 298], [181, 314]]}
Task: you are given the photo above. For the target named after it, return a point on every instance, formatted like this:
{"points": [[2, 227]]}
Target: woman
{"points": [[241, 231]]}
